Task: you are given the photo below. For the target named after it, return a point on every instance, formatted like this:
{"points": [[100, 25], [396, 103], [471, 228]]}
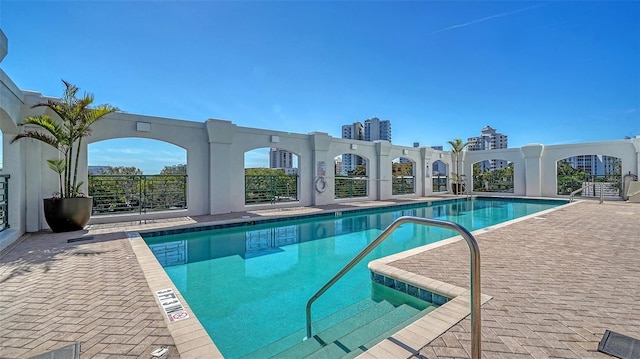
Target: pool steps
{"points": [[389, 323], [346, 333]]}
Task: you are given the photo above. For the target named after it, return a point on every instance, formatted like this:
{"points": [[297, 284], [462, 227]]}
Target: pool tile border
{"points": [[454, 305], [190, 337], [241, 222], [250, 221], [410, 289]]}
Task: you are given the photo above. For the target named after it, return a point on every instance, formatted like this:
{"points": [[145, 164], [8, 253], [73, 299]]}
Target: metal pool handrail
{"points": [[475, 272], [585, 187]]}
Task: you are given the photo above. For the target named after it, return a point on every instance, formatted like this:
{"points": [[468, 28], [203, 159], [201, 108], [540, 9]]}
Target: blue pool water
{"points": [[248, 285]]}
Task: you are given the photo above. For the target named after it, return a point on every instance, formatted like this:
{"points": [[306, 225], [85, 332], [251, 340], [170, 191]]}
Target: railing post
{"points": [[4, 204], [601, 192], [141, 194]]}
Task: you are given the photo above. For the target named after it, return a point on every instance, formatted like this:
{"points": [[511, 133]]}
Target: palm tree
{"points": [[457, 146], [66, 133]]}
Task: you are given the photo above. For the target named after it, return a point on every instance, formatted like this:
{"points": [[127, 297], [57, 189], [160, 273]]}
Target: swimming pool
{"points": [[248, 285]]}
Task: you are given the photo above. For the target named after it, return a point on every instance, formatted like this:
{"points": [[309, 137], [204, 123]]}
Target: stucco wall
{"points": [[215, 161]]}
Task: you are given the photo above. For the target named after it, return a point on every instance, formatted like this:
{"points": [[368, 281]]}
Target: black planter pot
{"points": [[67, 214]]}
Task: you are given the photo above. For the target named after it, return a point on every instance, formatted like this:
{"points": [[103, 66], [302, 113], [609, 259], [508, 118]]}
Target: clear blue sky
{"points": [[540, 72]]}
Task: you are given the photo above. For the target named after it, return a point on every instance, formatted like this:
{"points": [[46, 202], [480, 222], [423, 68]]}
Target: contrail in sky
{"points": [[486, 18]]}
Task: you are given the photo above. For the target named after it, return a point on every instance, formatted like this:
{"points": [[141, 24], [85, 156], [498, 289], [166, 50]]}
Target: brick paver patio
{"points": [[54, 293], [557, 282]]}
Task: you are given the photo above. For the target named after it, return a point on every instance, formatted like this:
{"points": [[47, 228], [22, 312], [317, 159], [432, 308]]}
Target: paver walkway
{"points": [[54, 293], [557, 281]]}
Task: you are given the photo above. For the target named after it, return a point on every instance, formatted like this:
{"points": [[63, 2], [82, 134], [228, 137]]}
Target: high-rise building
{"points": [[489, 139], [354, 131], [350, 162], [375, 129], [338, 165], [595, 165], [282, 159]]}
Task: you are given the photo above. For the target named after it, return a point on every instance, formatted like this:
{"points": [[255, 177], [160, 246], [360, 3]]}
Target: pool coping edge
{"points": [[189, 336]]}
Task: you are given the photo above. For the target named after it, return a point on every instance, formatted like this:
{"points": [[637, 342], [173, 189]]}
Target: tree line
{"points": [[127, 189]]}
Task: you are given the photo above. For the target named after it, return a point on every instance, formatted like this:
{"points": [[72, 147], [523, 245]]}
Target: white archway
{"points": [[403, 176], [271, 175], [136, 176]]}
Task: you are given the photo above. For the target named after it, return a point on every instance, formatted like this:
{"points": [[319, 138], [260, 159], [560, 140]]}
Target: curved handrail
{"points": [[572, 194], [475, 272]]}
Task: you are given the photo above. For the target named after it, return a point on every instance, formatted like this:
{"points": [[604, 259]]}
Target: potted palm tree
{"points": [[69, 209], [457, 178]]}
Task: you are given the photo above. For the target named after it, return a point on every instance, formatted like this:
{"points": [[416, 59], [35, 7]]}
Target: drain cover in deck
{"points": [[619, 345], [69, 352]]}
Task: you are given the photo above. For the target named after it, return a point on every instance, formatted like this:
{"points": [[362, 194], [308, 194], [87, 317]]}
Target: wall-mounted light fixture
{"points": [[143, 127]]}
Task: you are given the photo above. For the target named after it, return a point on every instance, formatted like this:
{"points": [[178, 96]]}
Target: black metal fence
{"points": [[349, 187], [113, 194], [4, 202], [439, 183], [402, 185], [260, 189]]}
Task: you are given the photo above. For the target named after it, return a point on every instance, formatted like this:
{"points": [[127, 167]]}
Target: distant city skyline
{"points": [[541, 72]]}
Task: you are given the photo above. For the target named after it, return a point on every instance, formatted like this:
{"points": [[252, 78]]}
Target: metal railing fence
{"points": [[501, 185], [259, 189], [114, 194], [402, 185], [4, 202], [611, 184], [350, 187], [439, 183]]}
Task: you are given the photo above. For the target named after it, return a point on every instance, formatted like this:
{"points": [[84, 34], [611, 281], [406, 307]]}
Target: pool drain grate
{"points": [[80, 239], [619, 345], [69, 352]]}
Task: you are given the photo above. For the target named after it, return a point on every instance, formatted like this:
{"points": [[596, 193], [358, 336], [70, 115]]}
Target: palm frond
{"points": [[76, 115], [48, 139], [58, 165]]}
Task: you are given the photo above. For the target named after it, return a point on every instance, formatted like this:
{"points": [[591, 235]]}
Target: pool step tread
{"points": [[313, 344], [354, 340], [348, 337], [322, 324], [371, 343], [336, 331]]}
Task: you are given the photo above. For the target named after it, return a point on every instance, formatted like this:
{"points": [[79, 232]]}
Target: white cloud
{"points": [[476, 21]]}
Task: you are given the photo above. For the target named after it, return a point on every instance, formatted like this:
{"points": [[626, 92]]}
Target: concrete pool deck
{"points": [[557, 281]]}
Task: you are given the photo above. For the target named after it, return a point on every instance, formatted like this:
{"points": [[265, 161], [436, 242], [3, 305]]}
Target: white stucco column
{"points": [[221, 167], [427, 157], [323, 183], [533, 169], [34, 167], [14, 165], [83, 169], [381, 184]]}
